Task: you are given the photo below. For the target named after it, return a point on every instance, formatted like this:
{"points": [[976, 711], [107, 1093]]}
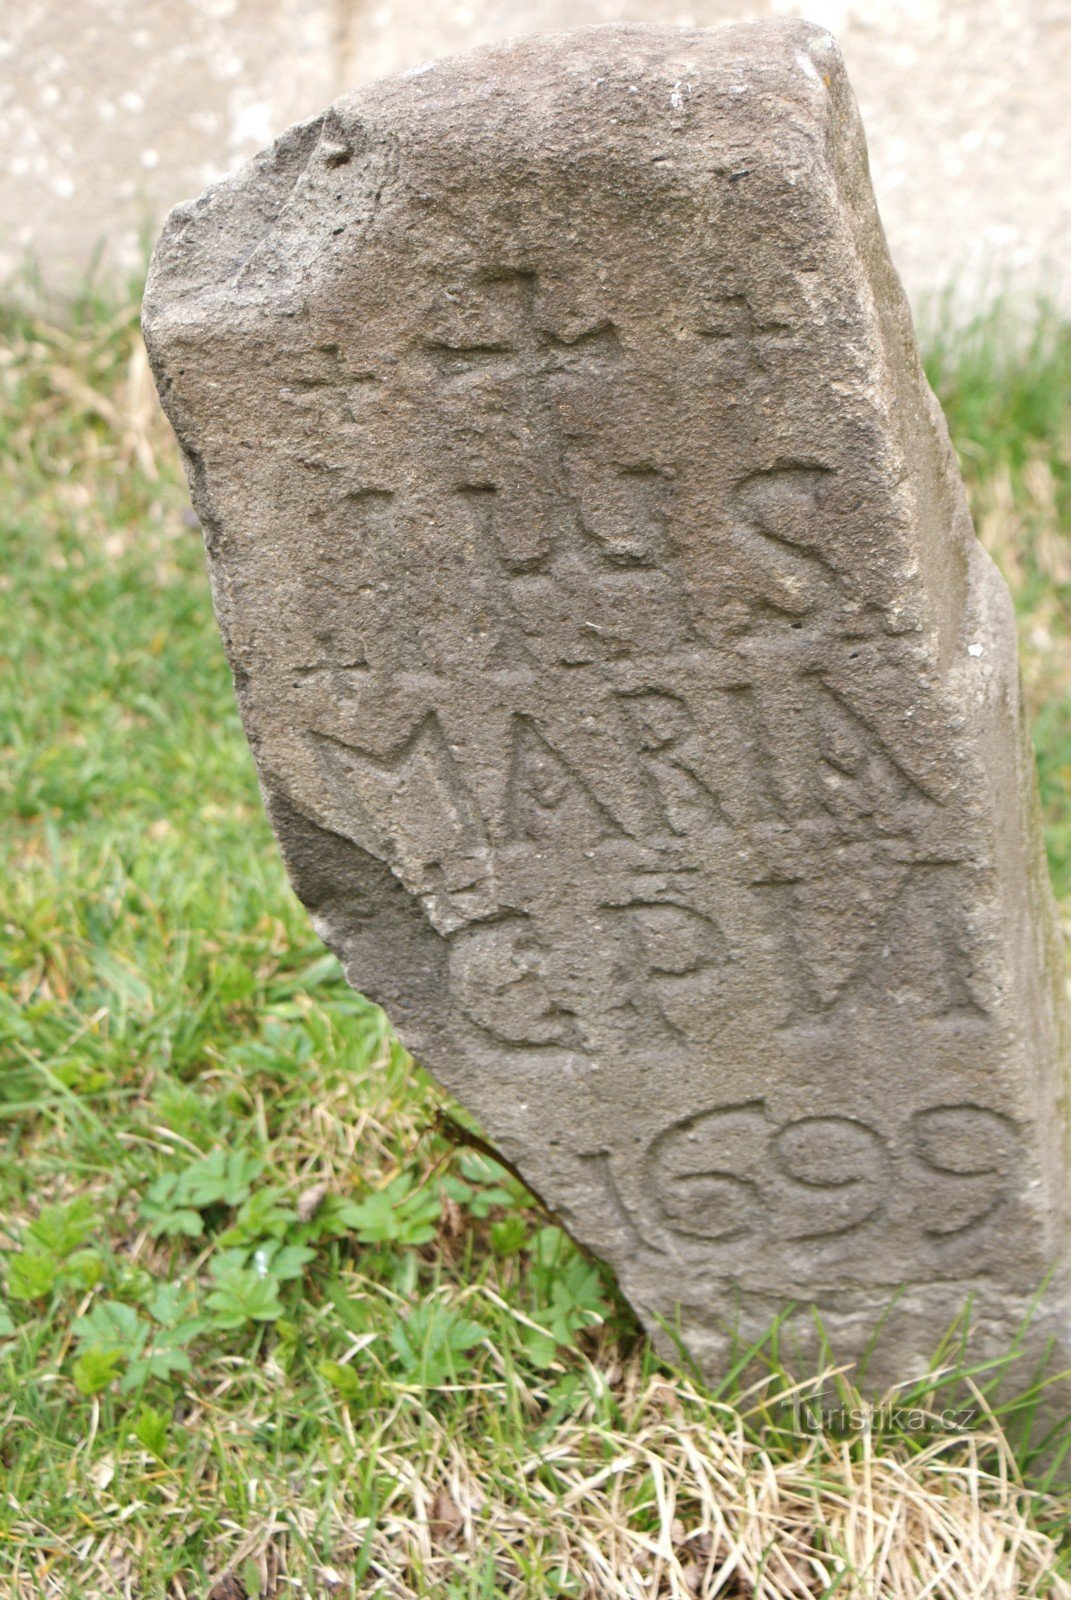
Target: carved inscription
{"points": [[721, 743], [498, 976], [733, 1173], [436, 839], [548, 795], [678, 765], [585, 547], [968, 1154], [748, 344], [572, 563], [662, 961]]}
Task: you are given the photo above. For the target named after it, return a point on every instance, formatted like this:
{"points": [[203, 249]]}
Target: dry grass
{"points": [[683, 1503], [680, 1501], [82, 394]]}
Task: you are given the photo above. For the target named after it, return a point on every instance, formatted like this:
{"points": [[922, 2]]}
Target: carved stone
{"points": [[635, 709]]}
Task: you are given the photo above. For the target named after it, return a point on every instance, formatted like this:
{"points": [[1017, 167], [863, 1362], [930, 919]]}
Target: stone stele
{"points": [[638, 715]]}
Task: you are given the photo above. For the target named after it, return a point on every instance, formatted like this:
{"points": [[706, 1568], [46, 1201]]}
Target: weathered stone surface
{"points": [[636, 711]]}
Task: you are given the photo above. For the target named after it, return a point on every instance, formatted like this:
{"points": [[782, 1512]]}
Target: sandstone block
{"points": [[636, 711]]}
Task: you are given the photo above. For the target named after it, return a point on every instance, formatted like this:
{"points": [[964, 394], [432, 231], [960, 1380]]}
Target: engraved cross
{"points": [[518, 343], [749, 340]]}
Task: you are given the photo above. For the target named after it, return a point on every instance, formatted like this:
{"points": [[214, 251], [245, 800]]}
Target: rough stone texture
{"points": [[636, 711], [112, 111], [965, 104]]}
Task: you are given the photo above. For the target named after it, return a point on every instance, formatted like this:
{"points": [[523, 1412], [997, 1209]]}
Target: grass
{"points": [[259, 1314]]}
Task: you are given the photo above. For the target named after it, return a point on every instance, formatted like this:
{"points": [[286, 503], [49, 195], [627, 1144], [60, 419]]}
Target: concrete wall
{"points": [[111, 110]]}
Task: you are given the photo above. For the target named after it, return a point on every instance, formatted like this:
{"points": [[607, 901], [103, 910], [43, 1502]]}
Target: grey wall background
{"points": [[113, 110]]}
